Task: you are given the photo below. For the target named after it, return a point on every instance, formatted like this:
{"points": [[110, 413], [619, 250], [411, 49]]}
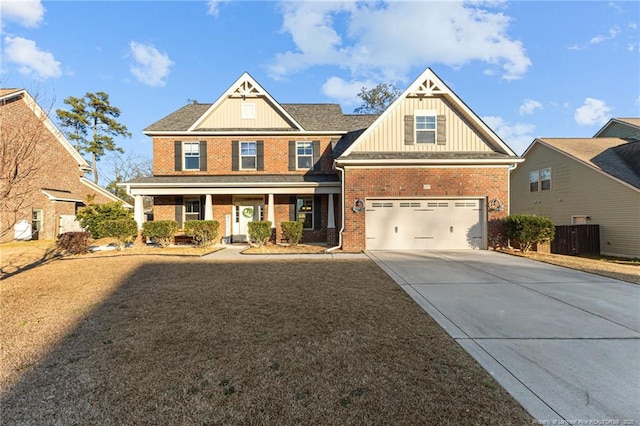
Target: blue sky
{"points": [[528, 68]]}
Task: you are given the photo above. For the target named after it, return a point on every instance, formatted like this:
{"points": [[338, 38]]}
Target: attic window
{"points": [[248, 111], [425, 122]]}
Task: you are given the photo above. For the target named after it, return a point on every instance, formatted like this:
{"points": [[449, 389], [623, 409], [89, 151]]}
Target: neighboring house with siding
{"points": [[49, 198], [586, 181], [426, 173]]}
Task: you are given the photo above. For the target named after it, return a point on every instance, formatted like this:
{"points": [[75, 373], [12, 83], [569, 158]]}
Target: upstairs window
{"points": [[191, 155], [540, 180], [248, 154], [304, 155], [425, 128], [533, 180]]}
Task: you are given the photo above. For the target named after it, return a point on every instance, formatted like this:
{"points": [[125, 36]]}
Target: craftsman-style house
{"points": [[426, 173]]}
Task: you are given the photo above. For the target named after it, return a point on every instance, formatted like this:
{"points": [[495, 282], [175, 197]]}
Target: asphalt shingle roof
{"points": [[615, 156], [312, 117]]}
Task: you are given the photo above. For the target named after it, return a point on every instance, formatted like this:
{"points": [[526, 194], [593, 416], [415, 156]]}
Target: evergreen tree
{"points": [[90, 124]]}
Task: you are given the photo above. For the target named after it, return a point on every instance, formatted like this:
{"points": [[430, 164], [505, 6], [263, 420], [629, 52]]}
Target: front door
{"points": [[245, 211]]}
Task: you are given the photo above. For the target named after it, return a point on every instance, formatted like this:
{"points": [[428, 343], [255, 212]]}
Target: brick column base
{"points": [[332, 237]]}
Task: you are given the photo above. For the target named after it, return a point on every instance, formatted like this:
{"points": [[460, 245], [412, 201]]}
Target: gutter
{"points": [[330, 249]]}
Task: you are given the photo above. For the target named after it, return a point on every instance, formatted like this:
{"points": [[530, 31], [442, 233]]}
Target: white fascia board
{"points": [[591, 166], [238, 133], [445, 91], [41, 115], [54, 198], [104, 192], [418, 162], [177, 190], [244, 77]]}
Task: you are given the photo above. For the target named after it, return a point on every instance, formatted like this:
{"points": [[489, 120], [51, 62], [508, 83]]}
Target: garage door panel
{"points": [[423, 224]]}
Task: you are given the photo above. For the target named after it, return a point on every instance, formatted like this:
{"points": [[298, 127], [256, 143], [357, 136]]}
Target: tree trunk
{"points": [[94, 164]]}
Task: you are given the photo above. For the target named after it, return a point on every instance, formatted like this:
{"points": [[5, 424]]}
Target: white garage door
{"points": [[424, 224]]}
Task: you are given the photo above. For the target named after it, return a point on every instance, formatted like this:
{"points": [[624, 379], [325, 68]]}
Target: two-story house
{"points": [[41, 174], [427, 173], [579, 181]]}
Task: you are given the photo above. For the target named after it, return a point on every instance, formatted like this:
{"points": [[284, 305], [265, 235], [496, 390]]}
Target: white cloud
{"points": [[529, 107], [518, 136], [613, 33], [343, 91], [151, 67], [30, 59], [593, 111], [415, 34], [28, 13], [213, 7]]}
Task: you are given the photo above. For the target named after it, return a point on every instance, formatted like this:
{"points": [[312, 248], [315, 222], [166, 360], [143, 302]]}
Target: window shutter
{"points": [[317, 166], [202, 203], [235, 156], [292, 208], [203, 156], [179, 201], [177, 152], [260, 155], [317, 212], [292, 155], [408, 130], [441, 137]]}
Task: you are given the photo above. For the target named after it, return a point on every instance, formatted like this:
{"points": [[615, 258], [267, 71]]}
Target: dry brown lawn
{"points": [[619, 269], [178, 340]]}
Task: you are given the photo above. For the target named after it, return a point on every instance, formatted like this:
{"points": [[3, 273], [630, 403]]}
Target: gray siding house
{"points": [[594, 180]]}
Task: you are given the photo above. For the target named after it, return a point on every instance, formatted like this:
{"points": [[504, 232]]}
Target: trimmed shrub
{"points": [[160, 231], [122, 230], [203, 232], [73, 242], [529, 230], [260, 232], [292, 231], [91, 216]]}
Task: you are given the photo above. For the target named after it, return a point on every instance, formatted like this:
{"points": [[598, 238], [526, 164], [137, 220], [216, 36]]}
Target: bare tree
{"points": [[23, 129], [124, 167]]}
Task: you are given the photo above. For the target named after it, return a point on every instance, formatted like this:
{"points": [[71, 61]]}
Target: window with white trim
{"points": [[304, 211], [540, 180], [191, 152], [192, 209], [248, 155], [425, 127], [304, 155]]}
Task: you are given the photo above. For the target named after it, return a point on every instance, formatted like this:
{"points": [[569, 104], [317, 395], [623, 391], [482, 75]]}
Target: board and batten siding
{"points": [[577, 189], [389, 134], [228, 116]]}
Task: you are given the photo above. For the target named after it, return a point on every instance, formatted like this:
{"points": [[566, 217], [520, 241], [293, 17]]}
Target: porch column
{"points": [[331, 220], [138, 210], [208, 208], [271, 215]]}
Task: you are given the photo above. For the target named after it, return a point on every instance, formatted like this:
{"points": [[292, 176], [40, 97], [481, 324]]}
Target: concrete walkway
{"points": [[234, 253], [565, 344]]}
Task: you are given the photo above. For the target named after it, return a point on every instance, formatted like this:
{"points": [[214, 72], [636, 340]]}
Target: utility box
{"points": [[22, 231]]}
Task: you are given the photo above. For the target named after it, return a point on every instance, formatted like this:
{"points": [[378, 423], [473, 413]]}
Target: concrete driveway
{"points": [[565, 344]]}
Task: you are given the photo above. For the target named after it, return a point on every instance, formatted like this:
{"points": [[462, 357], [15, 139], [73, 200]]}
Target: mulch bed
{"points": [[148, 340]]}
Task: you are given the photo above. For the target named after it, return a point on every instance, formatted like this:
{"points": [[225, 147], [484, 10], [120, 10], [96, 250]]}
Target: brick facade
{"points": [[366, 183], [219, 158], [57, 170]]}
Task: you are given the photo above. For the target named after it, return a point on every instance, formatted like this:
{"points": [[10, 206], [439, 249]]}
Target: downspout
{"points": [[330, 249], [511, 168]]}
